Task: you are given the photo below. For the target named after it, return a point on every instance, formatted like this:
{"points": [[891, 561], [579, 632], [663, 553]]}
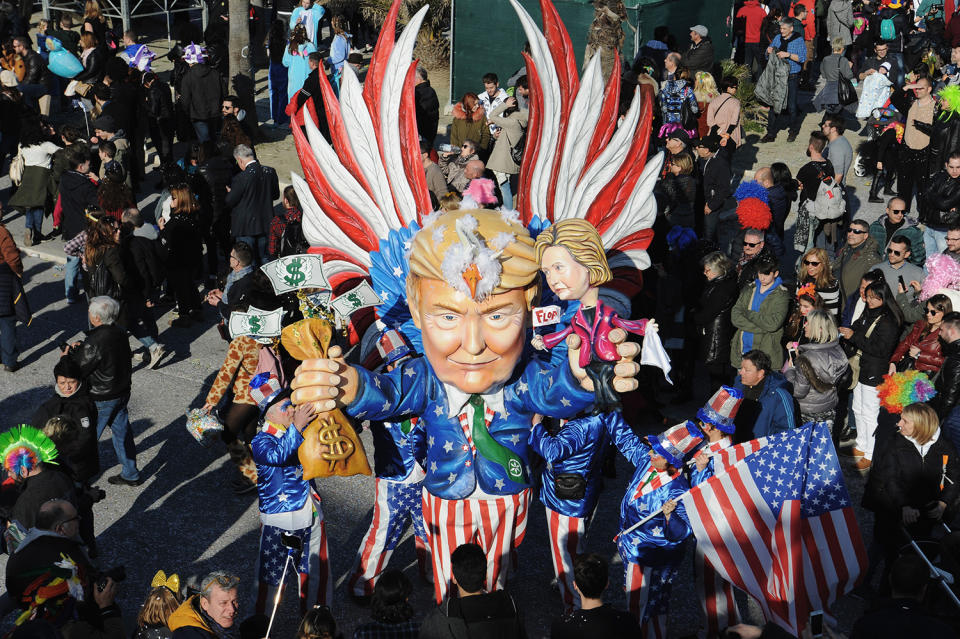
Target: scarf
{"points": [[755, 302], [232, 278]]}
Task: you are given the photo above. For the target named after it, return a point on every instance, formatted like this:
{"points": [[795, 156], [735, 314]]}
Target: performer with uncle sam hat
{"points": [[716, 421], [397, 458], [652, 552], [288, 504]]}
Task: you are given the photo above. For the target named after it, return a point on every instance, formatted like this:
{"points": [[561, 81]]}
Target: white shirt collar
{"points": [[923, 449], [457, 399]]}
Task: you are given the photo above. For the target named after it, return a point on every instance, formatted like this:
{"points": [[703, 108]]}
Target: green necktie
{"points": [[488, 446]]}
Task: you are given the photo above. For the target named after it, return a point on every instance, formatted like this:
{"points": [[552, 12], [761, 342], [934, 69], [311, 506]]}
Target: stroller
{"points": [[938, 552]]}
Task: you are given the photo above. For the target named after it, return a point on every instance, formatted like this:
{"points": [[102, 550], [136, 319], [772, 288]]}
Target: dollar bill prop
{"points": [[330, 444], [256, 323], [360, 296], [295, 272]]}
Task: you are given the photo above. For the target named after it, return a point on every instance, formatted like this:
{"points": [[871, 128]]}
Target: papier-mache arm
{"points": [[390, 396], [552, 390]]}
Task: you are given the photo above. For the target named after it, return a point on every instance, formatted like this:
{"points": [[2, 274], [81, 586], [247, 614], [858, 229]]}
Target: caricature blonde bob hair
{"points": [[583, 242]]}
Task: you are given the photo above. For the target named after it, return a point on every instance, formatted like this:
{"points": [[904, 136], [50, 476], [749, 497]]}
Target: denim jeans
{"points": [[506, 193], [71, 279], [8, 340], [751, 52], [259, 245], [202, 129], [34, 219], [934, 240], [792, 112], [113, 413]]}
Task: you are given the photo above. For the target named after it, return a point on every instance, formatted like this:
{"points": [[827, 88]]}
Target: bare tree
{"points": [[241, 81]]}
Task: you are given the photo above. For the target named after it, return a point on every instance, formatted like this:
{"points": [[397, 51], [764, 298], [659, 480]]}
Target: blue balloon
{"points": [[61, 62]]}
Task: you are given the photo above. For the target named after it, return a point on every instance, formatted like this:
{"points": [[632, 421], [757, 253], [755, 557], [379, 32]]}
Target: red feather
{"points": [[607, 123], [378, 65], [532, 148], [410, 147]]}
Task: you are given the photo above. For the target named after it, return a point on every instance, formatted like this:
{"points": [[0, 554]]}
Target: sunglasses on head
{"points": [[751, 244], [891, 251], [811, 263]]}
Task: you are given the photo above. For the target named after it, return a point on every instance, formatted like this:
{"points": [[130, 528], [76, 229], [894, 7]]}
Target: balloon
{"points": [[62, 62]]}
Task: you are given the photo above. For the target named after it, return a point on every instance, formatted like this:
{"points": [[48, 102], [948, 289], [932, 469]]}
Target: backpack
{"points": [[829, 204], [516, 151], [293, 242], [888, 30], [101, 282], [859, 23]]}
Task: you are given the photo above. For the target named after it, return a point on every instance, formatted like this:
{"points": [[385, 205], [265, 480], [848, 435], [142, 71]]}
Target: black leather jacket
{"points": [[35, 68], [713, 319], [104, 357], [948, 384], [942, 201]]}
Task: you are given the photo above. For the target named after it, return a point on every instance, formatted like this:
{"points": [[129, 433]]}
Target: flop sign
{"points": [[546, 315]]}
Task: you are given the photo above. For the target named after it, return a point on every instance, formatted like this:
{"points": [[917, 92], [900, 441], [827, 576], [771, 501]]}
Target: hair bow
{"points": [[808, 289], [171, 583]]}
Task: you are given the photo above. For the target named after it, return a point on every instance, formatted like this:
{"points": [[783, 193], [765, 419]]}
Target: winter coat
{"points": [[428, 111], [104, 357], [876, 349], [724, 113], [81, 455], [712, 318], [93, 66], [943, 199], [851, 263], [36, 490], [777, 411], [948, 384], [512, 128], [201, 92], [453, 167], [678, 193], [771, 88], [829, 363], [250, 200], [36, 190], [158, 105], [183, 241], [473, 127], [147, 257], [217, 174], [840, 21], [77, 192], [878, 231], [699, 57], [900, 477], [766, 324], [930, 358]]}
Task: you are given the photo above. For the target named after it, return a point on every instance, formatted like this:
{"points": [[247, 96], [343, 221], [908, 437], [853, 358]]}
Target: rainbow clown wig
{"points": [[22, 448], [902, 389], [753, 206]]}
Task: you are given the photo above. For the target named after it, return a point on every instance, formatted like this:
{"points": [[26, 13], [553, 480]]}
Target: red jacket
{"points": [[809, 22], [931, 357], [605, 320], [753, 14]]}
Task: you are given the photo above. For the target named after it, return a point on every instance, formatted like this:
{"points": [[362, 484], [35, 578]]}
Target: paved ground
{"points": [[184, 518]]}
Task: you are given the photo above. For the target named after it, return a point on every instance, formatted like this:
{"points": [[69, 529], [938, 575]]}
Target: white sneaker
{"points": [[157, 352]]}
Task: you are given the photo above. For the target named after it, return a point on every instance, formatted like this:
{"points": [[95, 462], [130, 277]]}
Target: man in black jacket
{"points": [[474, 613], [428, 107], [105, 361], [716, 184], [35, 86], [201, 92], [78, 190], [250, 199], [948, 382], [311, 89], [699, 57], [158, 110], [942, 202]]}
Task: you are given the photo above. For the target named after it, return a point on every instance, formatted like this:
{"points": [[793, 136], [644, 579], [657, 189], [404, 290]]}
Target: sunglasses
{"points": [[856, 231], [894, 252], [809, 263], [933, 311], [898, 211], [752, 244]]}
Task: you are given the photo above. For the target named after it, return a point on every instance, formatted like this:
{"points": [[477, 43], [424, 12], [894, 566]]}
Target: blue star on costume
{"points": [[273, 554]]}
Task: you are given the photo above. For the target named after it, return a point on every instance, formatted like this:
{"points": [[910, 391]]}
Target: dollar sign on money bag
{"points": [[354, 300], [255, 325], [296, 277]]}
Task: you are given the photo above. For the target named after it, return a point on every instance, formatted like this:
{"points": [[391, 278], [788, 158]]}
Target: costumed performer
{"points": [[571, 255], [652, 552], [288, 504], [472, 283], [397, 461], [309, 15]]}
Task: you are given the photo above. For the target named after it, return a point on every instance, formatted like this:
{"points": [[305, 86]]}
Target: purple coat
{"points": [[604, 320]]}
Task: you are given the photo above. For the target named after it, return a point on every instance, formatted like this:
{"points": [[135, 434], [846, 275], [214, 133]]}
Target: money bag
{"points": [[330, 444]]}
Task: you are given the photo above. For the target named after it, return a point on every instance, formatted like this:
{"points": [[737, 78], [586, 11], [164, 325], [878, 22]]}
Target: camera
{"points": [[117, 573]]}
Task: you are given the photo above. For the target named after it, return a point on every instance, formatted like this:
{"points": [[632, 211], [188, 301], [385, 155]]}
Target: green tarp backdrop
{"points": [[487, 35]]}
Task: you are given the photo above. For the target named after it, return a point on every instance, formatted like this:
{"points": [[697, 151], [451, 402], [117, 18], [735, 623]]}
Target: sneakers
{"points": [[157, 352], [120, 480]]}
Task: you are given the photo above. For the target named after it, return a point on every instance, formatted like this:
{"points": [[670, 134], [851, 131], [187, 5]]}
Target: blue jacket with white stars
{"points": [[577, 448], [454, 469], [697, 477], [395, 453], [280, 483], [658, 542]]}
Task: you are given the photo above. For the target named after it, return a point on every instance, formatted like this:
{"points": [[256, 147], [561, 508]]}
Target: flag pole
{"points": [[644, 520]]}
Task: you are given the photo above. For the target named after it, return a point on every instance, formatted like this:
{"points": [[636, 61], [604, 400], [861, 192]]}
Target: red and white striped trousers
{"points": [[567, 537], [496, 524], [716, 597], [648, 596]]}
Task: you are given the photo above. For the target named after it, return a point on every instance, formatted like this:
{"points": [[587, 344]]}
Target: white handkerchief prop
{"points": [[653, 354]]}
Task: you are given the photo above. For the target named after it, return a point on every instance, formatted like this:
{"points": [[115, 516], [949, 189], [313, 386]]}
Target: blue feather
{"points": [[391, 287]]}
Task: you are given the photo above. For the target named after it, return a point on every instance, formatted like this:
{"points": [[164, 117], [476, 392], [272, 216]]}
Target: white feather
{"points": [[640, 209], [605, 166], [550, 120], [390, 94], [366, 150], [634, 258], [343, 183], [580, 128], [336, 267], [319, 229]]}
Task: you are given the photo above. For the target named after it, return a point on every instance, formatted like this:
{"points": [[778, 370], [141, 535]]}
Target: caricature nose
{"points": [[473, 341]]}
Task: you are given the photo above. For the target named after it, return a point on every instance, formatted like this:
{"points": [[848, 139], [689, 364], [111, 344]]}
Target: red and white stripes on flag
{"points": [[496, 524], [779, 525]]}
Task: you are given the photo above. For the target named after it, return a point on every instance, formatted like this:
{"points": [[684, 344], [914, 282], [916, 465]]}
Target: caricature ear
{"points": [[413, 299]]}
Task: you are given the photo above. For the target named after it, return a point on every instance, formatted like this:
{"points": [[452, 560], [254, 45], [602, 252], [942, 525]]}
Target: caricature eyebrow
{"points": [[498, 307]]}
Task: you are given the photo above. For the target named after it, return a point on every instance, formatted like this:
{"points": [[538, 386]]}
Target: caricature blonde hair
{"points": [[519, 266], [583, 242]]}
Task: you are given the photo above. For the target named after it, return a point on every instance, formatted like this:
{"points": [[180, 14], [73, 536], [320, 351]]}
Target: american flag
{"points": [[779, 525]]}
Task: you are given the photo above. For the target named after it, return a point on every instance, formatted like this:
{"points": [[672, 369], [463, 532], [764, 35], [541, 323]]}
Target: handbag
{"points": [[846, 93], [688, 119], [16, 167], [855, 358], [570, 486], [203, 427], [516, 151]]}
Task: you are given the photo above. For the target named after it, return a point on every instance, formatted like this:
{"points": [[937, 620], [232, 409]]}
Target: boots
{"points": [[875, 187], [888, 179], [240, 456]]}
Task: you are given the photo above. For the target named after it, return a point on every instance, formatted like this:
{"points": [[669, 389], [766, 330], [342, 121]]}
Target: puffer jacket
{"points": [[877, 348], [840, 21], [829, 363], [104, 357], [943, 200], [712, 318], [948, 384], [930, 358]]}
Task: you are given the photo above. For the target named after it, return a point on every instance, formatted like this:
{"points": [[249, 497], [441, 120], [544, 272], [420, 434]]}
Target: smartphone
{"points": [[816, 624], [903, 285], [291, 541], [63, 346]]}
